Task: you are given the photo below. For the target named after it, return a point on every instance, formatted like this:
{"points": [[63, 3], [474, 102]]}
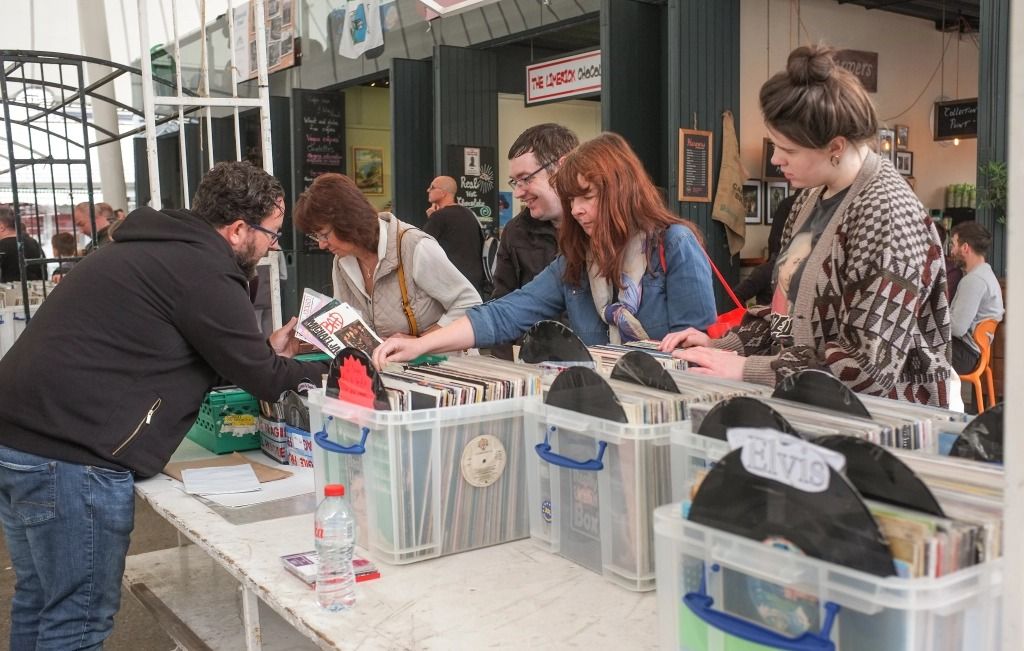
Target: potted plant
{"points": [[994, 197]]}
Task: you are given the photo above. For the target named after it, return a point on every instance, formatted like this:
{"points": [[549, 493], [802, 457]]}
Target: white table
{"points": [[507, 596]]}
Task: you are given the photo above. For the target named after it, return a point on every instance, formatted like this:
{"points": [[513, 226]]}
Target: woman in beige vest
{"points": [[396, 276]]}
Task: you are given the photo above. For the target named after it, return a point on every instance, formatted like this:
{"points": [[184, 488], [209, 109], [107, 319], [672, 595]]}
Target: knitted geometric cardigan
{"points": [[871, 307]]}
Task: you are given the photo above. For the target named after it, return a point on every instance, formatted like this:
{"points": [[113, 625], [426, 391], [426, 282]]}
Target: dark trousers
{"points": [[965, 359]]}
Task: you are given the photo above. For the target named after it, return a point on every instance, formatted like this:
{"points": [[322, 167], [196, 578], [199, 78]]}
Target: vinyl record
{"points": [[833, 525], [640, 368], [742, 411], [353, 378], [582, 390], [880, 476], [552, 341], [296, 413], [820, 389], [982, 438]]}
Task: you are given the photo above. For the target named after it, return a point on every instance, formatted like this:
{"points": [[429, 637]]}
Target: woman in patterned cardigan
{"points": [[860, 285]]}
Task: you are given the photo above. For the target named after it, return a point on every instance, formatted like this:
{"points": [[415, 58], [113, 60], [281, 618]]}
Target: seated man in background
{"points": [[457, 230], [978, 296]]}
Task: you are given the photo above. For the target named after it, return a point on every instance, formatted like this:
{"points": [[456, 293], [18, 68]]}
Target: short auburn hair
{"points": [[334, 201]]}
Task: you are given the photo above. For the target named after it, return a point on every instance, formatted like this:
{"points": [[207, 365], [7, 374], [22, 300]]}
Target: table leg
{"points": [[251, 620]]}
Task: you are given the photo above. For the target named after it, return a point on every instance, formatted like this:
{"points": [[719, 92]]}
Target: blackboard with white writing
{"points": [[319, 138], [695, 154], [956, 119]]}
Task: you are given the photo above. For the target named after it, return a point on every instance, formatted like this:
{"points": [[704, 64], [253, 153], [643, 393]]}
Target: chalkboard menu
{"points": [[956, 119], [474, 172], [695, 154], [319, 137]]}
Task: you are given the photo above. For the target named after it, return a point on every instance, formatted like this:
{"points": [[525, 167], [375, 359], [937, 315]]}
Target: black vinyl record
{"points": [[833, 525], [982, 439], [353, 378], [742, 411], [296, 413], [582, 390], [880, 476], [552, 341], [640, 368], [818, 388]]}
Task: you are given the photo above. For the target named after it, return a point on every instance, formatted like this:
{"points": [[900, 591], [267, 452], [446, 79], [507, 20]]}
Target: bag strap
{"points": [[406, 305], [718, 274]]}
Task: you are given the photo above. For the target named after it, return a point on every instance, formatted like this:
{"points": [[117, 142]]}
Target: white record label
{"points": [[483, 461]]}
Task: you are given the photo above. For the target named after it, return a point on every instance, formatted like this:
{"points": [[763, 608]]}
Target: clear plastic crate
{"points": [[593, 485], [717, 590], [425, 483]]}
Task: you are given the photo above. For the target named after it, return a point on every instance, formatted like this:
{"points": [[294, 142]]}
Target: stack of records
{"points": [[607, 355], [458, 381]]}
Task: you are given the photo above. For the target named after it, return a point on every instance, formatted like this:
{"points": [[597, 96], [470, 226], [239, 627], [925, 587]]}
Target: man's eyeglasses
{"points": [[317, 238], [273, 235], [525, 181]]}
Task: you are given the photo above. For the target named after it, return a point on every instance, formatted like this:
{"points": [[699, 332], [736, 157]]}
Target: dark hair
{"points": [[628, 203], [7, 216], [63, 244], [816, 100], [547, 141], [975, 235], [334, 200], [236, 190]]}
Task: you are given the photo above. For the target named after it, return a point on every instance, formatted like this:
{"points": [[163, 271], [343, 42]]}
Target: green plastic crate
{"points": [[228, 421]]}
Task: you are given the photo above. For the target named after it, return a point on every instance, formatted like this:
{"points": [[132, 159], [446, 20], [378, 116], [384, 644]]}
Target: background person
{"points": [[629, 268], [367, 263], [10, 267], [104, 214], [63, 245], [457, 230], [106, 380], [867, 300], [978, 296]]}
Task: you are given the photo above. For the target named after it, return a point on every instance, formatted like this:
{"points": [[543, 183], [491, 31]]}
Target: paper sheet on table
{"points": [[218, 481], [263, 472], [300, 483]]}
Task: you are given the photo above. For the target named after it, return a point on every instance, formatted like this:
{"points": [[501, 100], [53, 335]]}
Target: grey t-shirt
{"points": [[977, 298]]}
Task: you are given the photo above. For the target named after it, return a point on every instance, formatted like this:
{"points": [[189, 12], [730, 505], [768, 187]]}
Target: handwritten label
{"points": [[785, 458], [695, 154], [957, 119]]}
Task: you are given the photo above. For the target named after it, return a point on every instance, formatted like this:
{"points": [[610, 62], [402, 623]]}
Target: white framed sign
{"points": [[574, 75]]}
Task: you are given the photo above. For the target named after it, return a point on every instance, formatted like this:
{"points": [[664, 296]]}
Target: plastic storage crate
{"points": [[12, 324], [227, 422], [593, 485], [722, 591], [425, 483]]}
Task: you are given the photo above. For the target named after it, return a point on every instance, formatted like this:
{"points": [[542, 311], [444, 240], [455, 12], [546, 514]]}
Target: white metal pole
{"points": [[183, 153], [148, 107], [264, 85], [234, 77], [1013, 523], [205, 58]]}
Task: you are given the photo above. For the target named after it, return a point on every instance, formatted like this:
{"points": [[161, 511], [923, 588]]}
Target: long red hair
{"points": [[628, 204]]}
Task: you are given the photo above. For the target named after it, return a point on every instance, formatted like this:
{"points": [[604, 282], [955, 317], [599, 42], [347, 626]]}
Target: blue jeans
{"points": [[68, 527]]}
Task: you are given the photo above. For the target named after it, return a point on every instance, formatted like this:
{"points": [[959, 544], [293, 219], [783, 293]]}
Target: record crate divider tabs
{"points": [[709, 580], [227, 422], [407, 479], [593, 484]]}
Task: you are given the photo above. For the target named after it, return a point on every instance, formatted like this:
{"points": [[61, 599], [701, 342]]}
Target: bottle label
{"points": [[483, 461]]}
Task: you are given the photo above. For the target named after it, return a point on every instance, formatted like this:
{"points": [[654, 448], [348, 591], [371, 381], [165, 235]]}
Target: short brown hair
{"points": [[974, 235], [63, 244], [334, 200], [548, 142], [816, 100]]}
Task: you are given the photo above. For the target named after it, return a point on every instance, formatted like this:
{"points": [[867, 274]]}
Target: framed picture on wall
{"points": [[905, 163], [902, 136], [770, 171], [777, 191], [886, 143], [752, 200], [368, 169]]}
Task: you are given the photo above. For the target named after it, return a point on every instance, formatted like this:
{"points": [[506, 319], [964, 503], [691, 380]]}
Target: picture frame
{"points": [[902, 136], [775, 192], [770, 171], [886, 143], [904, 163], [753, 201], [368, 169]]}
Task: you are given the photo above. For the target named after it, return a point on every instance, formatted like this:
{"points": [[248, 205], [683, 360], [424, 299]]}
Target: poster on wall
{"points": [[280, 20], [368, 169], [863, 65], [473, 171], [319, 138], [695, 153]]}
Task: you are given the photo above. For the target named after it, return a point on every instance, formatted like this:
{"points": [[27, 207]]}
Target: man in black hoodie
{"points": [[106, 380]]}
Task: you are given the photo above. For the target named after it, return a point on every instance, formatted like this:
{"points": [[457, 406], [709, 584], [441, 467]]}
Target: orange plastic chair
{"points": [[983, 336]]}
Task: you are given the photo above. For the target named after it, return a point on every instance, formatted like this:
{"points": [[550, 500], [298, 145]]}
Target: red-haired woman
{"points": [[629, 269]]}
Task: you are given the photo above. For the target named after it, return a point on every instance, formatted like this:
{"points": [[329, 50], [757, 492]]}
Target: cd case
{"points": [[304, 566]]}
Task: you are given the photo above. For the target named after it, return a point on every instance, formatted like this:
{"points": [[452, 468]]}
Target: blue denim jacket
{"points": [[671, 301]]}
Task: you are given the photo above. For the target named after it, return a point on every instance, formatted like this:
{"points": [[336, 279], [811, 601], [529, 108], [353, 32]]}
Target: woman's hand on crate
{"points": [[683, 339], [283, 340]]}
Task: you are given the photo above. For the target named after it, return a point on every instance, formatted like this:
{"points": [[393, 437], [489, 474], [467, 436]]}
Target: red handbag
{"points": [[726, 321]]}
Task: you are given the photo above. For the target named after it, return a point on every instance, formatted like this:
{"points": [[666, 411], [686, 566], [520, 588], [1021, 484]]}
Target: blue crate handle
{"points": [[544, 452], [329, 445], [701, 605], [19, 318]]}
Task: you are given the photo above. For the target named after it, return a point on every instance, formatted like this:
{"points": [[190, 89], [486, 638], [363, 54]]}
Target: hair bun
{"points": [[810, 65]]}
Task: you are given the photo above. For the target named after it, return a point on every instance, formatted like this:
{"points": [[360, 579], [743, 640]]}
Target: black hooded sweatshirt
{"points": [[112, 369]]}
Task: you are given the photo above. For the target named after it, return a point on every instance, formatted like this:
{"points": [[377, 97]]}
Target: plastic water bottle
{"points": [[335, 532]]}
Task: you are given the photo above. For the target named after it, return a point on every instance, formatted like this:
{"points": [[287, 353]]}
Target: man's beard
{"points": [[247, 260]]}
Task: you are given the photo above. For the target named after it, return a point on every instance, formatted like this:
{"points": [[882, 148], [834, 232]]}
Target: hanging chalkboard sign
{"points": [[956, 119], [319, 138], [695, 154], [473, 169]]}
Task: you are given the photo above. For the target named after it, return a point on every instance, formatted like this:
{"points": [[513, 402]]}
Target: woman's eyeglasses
{"points": [[317, 238]]}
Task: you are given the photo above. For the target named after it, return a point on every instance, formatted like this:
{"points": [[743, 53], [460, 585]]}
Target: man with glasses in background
{"points": [[108, 377]]}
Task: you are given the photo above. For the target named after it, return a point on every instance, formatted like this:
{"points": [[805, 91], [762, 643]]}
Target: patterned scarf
{"points": [[620, 314]]}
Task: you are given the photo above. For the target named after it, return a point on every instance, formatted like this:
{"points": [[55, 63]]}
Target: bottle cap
{"points": [[334, 490]]}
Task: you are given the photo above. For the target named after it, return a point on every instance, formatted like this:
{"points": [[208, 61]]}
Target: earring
{"points": [[834, 159]]}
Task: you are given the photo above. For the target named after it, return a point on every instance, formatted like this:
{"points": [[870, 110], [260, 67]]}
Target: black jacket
{"points": [[458, 232], [114, 365], [527, 246]]}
